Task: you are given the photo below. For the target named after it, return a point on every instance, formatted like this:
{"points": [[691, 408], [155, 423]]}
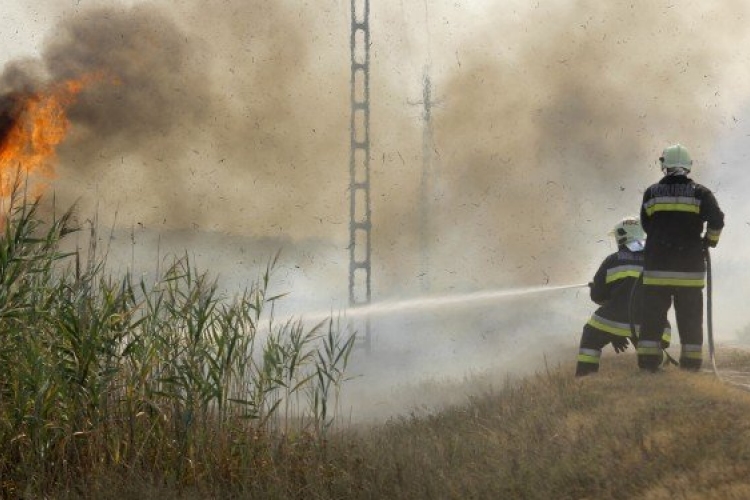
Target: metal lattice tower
{"points": [[360, 248]]}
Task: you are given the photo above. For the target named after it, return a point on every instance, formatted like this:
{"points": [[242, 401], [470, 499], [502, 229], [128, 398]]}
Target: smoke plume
{"points": [[552, 127], [547, 122], [231, 120]]}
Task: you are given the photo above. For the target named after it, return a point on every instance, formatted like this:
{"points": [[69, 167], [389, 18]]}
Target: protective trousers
{"points": [[590, 350], [688, 307]]}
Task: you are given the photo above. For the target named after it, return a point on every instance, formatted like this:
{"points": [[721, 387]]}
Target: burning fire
{"points": [[32, 124]]}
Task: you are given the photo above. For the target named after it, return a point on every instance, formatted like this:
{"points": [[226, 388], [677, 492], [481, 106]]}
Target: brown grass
{"points": [[619, 434], [111, 390]]}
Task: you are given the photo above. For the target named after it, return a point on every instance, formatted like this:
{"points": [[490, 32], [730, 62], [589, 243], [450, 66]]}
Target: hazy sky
{"points": [[18, 37], [228, 136], [548, 121]]}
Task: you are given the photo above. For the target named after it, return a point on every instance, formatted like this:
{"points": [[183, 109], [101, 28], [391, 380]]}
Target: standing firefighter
{"points": [[673, 214], [612, 288]]}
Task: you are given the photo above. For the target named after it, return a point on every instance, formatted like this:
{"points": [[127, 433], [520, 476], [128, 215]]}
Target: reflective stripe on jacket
{"points": [[673, 214], [612, 285]]}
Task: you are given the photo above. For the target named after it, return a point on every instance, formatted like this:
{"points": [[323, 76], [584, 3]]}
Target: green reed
{"points": [[101, 372]]}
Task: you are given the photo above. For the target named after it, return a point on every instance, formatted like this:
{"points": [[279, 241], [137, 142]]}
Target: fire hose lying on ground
{"points": [[710, 331], [709, 314]]}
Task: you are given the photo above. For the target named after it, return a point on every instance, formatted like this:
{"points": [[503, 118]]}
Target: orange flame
{"points": [[39, 125]]}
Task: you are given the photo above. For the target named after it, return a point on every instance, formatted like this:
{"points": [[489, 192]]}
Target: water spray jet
{"points": [[428, 302]]}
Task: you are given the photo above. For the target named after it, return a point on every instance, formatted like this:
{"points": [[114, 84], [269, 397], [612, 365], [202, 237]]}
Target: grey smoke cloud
{"points": [[158, 85], [218, 119], [235, 119], [551, 128]]}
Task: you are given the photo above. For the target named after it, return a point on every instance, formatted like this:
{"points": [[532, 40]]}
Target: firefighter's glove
{"points": [[591, 284], [708, 243], [620, 344]]}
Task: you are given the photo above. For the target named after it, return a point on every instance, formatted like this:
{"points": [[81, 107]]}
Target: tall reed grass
{"points": [[104, 375]]}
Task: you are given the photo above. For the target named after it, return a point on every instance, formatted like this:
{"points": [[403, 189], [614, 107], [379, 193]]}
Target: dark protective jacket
{"points": [[673, 214], [611, 289]]}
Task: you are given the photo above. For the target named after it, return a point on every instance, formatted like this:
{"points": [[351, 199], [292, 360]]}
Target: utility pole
{"points": [[360, 247], [427, 181]]}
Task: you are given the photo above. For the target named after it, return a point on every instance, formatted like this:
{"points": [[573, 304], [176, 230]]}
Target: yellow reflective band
{"points": [[622, 275], [692, 351], [614, 330], [649, 351], [649, 348], [584, 358], [697, 283], [672, 207], [621, 329], [713, 235], [692, 354]]}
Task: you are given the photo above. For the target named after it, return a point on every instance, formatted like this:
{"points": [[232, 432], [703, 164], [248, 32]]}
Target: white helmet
{"points": [[675, 160], [629, 232]]}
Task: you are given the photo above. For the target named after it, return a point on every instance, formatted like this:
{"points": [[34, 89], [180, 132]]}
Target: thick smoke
{"points": [[222, 119], [152, 82], [548, 120], [551, 129], [10, 110], [547, 123], [235, 119]]}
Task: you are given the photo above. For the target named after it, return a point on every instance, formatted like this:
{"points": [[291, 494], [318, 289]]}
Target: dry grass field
{"points": [[619, 434], [115, 388]]}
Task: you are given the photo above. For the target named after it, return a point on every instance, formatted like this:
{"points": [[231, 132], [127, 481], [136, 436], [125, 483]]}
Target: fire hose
{"points": [[710, 333], [710, 330], [709, 313]]}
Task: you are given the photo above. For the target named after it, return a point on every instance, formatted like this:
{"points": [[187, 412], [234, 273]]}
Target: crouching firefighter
{"points": [[615, 289], [673, 214]]}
